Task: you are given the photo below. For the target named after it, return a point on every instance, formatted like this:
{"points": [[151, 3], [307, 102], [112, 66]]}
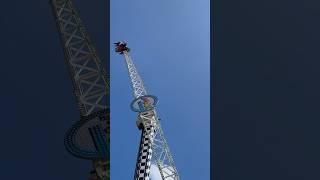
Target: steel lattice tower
{"points": [[88, 138], [153, 147]]}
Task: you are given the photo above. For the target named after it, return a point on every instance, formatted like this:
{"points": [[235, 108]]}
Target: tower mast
{"points": [[153, 147], [88, 138]]}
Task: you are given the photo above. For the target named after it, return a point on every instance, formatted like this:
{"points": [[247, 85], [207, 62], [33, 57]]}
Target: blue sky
{"points": [[170, 43]]}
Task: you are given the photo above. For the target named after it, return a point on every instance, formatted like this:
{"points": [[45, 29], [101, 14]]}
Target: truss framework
{"points": [[90, 82], [153, 147], [91, 85]]}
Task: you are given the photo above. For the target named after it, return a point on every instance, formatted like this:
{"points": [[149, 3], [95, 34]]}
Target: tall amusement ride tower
{"points": [[153, 149], [89, 137]]}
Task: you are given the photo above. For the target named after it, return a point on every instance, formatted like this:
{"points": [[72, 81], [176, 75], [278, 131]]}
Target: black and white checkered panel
{"points": [[143, 165]]}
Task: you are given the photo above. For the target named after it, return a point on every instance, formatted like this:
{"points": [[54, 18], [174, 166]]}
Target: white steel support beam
{"points": [[90, 82], [153, 147]]}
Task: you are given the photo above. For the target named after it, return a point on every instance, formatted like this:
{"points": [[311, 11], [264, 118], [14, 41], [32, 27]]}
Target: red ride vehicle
{"points": [[121, 47]]}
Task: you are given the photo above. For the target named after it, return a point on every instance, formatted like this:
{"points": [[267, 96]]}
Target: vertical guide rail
{"points": [[153, 147], [136, 81], [91, 85], [90, 82]]}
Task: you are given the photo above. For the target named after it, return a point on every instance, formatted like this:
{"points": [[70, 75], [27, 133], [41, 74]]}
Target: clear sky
{"points": [[170, 43]]}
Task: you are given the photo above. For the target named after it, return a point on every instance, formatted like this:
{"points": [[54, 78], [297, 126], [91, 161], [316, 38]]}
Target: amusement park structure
{"points": [[153, 149], [89, 137]]}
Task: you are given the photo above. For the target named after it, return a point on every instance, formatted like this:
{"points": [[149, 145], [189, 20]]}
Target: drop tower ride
{"points": [[153, 149]]}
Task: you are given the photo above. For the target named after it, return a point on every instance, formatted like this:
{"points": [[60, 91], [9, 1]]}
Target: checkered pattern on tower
{"points": [[153, 146], [143, 165]]}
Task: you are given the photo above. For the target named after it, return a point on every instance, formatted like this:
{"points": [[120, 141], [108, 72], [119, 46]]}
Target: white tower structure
{"points": [[153, 150]]}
